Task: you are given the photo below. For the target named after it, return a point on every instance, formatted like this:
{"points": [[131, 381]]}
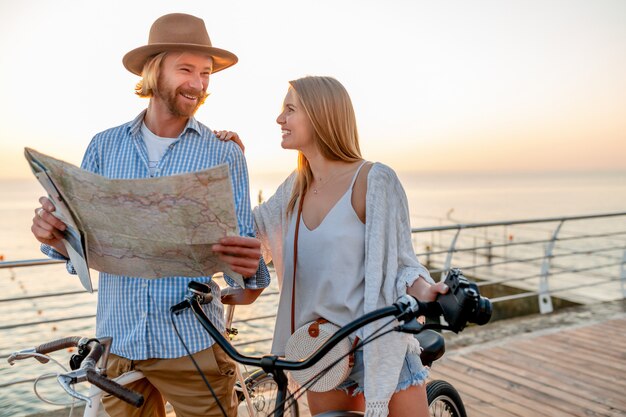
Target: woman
{"points": [[354, 250]]}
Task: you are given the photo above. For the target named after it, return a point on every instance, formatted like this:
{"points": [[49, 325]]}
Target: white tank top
{"points": [[330, 281]]}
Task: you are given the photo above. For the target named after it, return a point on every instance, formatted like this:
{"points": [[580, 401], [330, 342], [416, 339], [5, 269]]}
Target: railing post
{"points": [[545, 301], [623, 274], [446, 265], [474, 252], [506, 242], [429, 249]]}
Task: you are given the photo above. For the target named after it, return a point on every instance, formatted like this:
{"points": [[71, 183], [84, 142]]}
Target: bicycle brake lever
{"points": [[65, 380], [410, 307], [411, 327], [200, 297], [25, 354], [178, 308]]}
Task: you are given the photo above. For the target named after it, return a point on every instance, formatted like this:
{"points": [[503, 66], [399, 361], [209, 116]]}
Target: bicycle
{"points": [[269, 383], [263, 389], [260, 387], [256, 392], [461, 305]]}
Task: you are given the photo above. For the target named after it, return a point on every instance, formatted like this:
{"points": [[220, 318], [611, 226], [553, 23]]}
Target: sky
{"points": [[520, 85]]}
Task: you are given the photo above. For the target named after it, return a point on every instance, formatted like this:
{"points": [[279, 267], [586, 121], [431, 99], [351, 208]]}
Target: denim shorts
{"points": [[412, 373]]}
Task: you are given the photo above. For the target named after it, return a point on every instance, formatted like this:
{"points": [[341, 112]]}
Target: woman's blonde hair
{"points": [[329, 108], [146, 87]]}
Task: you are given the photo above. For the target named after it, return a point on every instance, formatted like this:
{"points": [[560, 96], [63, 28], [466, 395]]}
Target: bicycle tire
{"points": [[444, 400], [262, 389]]}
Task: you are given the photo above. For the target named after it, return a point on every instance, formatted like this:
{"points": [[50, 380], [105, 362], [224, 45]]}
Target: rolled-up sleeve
{"points": [[51, 253], [259, 280]]}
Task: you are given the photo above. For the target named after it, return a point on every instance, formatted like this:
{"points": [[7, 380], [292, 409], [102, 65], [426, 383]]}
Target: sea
{"points": [[435, 199]]}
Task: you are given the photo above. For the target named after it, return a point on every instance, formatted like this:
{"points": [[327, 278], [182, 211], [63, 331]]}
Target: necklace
{"points": [[329, 180]]}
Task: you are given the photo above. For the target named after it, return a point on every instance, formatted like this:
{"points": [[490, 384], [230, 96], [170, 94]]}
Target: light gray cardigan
{"points": [[390, 267]]}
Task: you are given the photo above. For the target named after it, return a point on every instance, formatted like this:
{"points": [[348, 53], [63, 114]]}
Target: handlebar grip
{"points": [[58, 344], [410, 308], [131, 397], [95, 349], [429, 309]]}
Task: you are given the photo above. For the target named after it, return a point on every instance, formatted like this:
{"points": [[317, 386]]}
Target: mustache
{"points": [[201, 94]]}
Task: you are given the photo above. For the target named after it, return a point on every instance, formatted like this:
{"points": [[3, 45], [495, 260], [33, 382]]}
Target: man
{"points": [[166, 139]]}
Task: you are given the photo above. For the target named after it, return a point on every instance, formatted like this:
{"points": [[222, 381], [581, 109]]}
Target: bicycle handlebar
{"points": [[58, 344], [405, 308], [90, 351], [44, 348], [105, 384]]}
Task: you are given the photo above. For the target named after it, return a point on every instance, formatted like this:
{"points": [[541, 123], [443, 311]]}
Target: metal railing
{"points": [[592, 249], [536, 257]]}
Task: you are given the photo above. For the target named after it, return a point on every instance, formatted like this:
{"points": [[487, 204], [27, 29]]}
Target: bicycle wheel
{"points": [[262, 389], [444, 400]]}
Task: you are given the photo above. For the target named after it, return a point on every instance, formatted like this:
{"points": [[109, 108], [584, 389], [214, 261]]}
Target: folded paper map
{"points": [[148, 228]]}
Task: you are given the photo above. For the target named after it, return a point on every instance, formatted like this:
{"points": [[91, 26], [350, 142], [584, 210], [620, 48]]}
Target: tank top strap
{"points": [[356, 174]]}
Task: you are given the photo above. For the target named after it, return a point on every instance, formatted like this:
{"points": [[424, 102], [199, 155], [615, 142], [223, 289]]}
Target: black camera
{"points": [[463, 303]]}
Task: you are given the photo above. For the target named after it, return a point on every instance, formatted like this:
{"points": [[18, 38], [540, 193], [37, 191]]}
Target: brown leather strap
{"points": [[295, 261], [314, 331], [314, 328], [351, 357]]}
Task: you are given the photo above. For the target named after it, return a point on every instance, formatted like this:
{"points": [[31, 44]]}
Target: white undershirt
{"points": [[156, 147]]}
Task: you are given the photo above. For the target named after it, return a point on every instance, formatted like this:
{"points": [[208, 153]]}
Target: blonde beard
{"points": [[172, 104]]}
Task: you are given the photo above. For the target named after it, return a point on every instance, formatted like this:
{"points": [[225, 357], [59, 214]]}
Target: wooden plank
{"points": [[576, 350], [601, 333], [576, 369], [588, 353], [602, 340], [615, 328], [578, 372], [567, 354], [536, 397], [476, 407], [546, 375], [576, 404], [498, 391]]}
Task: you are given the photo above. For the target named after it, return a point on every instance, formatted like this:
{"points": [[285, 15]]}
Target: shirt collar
{"points": [[135, 126]]}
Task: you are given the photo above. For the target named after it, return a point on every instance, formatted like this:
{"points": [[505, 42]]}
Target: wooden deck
{"points": [[579, 371]]}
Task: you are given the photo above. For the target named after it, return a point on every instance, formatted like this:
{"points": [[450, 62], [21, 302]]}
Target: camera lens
{"points": [[482, 315]]}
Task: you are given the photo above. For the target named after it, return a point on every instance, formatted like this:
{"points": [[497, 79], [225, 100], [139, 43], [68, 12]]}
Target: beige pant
{"points": [[178, 382]]}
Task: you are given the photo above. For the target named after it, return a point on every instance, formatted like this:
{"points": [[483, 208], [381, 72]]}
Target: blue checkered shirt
{"points": [[135, 311]]}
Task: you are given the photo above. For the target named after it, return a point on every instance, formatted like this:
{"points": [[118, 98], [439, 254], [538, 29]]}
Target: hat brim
{"points": [[135, 60]]}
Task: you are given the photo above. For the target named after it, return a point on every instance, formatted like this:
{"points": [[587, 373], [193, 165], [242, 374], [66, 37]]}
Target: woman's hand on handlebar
{"points": [[424, 291]]}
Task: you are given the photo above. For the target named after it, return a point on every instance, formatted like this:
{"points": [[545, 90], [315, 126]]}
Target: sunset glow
{"points": [[437, 86]]}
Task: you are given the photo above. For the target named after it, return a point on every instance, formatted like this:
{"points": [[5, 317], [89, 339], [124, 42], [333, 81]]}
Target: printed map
{"points": [[149, 228]]}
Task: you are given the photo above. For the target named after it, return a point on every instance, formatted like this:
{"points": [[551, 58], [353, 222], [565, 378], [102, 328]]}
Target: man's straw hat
{"points": [[178, 32]]}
